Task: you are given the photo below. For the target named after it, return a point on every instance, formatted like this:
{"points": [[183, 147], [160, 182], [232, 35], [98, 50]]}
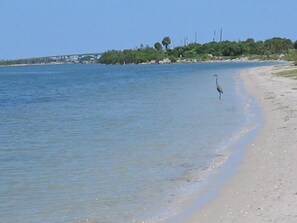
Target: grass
{"points": [[288, 73]]}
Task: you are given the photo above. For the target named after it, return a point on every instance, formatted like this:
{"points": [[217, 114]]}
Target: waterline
{"points": [[112, 144]]}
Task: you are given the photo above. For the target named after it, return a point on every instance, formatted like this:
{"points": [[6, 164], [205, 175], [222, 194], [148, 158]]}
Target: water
{"points": [[112, 144]]}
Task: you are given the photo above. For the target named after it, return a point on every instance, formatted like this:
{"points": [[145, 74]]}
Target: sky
{"points": [[35, 28]]}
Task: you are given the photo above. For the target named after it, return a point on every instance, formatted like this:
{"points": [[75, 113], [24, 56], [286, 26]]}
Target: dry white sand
{"points": [[265, 187]]}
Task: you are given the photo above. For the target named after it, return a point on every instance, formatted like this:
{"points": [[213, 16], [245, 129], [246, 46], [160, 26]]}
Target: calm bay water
{"points": [[111, 143]]}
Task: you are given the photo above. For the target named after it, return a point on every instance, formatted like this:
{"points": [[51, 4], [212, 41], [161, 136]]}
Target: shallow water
{"points": [[112, 143]]}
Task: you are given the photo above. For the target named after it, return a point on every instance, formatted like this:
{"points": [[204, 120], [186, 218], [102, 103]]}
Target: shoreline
{"points": [[226, 163], [237, 60], [263, 189]]}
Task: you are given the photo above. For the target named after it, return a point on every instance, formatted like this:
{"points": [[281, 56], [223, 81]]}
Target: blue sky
{"points": [[32, 28]]}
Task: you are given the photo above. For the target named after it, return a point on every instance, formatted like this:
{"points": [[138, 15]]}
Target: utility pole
{"points": [[214, 36], [195, 37], [221, 35]]}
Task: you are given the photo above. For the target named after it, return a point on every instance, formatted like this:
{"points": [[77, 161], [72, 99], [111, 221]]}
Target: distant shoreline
{"points": [[151, 63], [25, 65], [275, 48]]}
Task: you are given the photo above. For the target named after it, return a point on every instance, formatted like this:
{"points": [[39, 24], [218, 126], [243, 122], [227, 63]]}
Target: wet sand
{"points": [[265, 187]]}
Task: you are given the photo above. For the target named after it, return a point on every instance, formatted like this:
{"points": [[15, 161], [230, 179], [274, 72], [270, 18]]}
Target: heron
{"points": [[219, 88]]}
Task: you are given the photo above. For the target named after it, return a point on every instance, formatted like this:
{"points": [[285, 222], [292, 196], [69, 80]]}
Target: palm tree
{"points": [[166, 42], [158, 46]]}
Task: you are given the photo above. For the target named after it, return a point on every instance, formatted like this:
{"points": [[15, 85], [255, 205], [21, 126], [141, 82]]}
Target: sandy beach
{"points": [[265, 187]]}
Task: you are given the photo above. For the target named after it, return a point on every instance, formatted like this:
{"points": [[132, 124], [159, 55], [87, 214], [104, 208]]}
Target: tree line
{"points": [[269, 49]]}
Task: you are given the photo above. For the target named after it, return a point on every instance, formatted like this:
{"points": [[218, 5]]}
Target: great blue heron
{"points": [[219, 88]]}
